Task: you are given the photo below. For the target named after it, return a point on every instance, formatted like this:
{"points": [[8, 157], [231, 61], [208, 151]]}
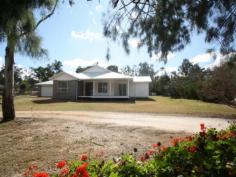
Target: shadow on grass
{"points": [[90, 100], [49, 101], [145, 99]]}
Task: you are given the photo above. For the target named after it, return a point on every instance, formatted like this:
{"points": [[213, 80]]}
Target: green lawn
{"points": [[157, 104]]}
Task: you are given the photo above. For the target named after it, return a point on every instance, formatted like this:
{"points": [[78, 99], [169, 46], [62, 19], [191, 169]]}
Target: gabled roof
{"points": [[98, 73]]}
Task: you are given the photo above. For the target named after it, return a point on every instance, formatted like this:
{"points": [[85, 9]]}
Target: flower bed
{"points": [[207, 153]]}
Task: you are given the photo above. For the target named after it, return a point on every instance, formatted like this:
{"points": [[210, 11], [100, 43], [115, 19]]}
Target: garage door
{"points": [[142, 90], [46, 91]]}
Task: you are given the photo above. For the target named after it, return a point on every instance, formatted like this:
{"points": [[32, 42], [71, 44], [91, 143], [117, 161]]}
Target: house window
{"points": [[102, 87], [63, 86], [122, 89]]}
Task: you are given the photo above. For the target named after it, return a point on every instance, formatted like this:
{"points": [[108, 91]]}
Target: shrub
{"points": [[207, 153]]}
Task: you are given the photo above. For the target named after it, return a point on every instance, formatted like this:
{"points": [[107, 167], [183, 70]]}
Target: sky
{"points": [[74, 36]]}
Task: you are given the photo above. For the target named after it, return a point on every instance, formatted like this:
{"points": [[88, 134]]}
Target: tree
{"points": [[166, 26], [18, 76], [113, 68], [80, 69], [44, 73], [221, 85], [57, 66], [145, 69], [17, 28], [132, 71]]}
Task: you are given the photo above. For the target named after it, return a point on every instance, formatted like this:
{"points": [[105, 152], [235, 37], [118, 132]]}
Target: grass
{"points": [[157, 104]]}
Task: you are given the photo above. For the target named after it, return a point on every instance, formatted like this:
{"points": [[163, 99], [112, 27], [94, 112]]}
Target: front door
{"points": [[80, 89], [89, 89], [122, 89]]}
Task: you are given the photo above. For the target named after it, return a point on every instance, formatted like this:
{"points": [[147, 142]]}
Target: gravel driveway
{"points": [[45, 137], [160, 122]]}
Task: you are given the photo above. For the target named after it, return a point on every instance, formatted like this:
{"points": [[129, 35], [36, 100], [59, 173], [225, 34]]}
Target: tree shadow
{"points": [[145, 99], [49, 101], [83, 100]]}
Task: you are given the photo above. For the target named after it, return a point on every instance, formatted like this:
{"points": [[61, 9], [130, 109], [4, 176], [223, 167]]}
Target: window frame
{"points": [[61, 89], [122, 89], [102, 87]]}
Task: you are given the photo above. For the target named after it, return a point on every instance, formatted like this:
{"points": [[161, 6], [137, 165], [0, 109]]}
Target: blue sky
{"points": [[73, 35]]}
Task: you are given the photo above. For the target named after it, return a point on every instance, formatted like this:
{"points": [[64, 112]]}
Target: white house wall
{"points": [[131, 89], [141, 89]]}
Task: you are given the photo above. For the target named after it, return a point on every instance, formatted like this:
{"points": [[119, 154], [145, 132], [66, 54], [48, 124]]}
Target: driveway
{"points": [[160, 122]]}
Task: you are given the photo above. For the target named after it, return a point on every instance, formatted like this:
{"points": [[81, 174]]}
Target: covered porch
{"points": [[111, 88]]}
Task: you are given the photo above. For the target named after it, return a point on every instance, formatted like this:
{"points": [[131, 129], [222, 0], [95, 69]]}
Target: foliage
{"points": [[166, 26], [44, 73], [80, 69], [193, 82], [207, 153], [113, 68]]}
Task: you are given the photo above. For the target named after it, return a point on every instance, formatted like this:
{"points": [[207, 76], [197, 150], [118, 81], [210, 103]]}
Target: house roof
{"points": [[98, 73], [45, 83], [142, 79]]}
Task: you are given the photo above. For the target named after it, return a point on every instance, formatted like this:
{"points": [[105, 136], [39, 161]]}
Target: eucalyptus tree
{"points": [[18, 23], [166, 26]]}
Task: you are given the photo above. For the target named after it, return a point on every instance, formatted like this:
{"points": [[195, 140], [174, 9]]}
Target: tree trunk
{"points": [[8, 100]]}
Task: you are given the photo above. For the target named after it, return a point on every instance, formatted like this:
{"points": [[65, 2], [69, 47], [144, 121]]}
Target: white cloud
{"points": [[168, 70], [202, 58], [99, 8], [212, 60], [134, 42], [72, 64], [219, 58], [158, 56], [87, 35]]}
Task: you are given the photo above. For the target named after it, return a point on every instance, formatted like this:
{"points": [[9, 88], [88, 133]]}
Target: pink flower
{"points": [[150, 152], [64, 172]]}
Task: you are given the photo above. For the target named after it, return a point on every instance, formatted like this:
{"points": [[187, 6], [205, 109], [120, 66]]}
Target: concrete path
{"points": [[162, 122]]}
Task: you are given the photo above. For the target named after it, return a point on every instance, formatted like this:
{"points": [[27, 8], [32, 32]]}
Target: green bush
{"points": [[207, 153]]}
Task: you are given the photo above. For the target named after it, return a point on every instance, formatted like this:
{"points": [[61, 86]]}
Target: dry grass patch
{"points": [[157, 104]]}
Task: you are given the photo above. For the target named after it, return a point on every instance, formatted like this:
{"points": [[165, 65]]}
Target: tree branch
{"points": [[42, 19]]}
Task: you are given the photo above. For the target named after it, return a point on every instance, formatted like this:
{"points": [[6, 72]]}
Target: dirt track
{"points": [[46, 137], [161, 122]]}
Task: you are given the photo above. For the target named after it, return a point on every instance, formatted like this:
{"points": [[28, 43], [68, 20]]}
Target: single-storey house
{"points": [[95, 82]]}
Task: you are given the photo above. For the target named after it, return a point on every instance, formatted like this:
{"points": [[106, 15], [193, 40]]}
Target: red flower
{"points": [[203, 128], [81, 170], [61, 164], [64, 172], [150, 152], [175, 141], [41, 174], [164, 148], [83, 157], [74, 175], [142, 158], [156, 145], [192, 149]]}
